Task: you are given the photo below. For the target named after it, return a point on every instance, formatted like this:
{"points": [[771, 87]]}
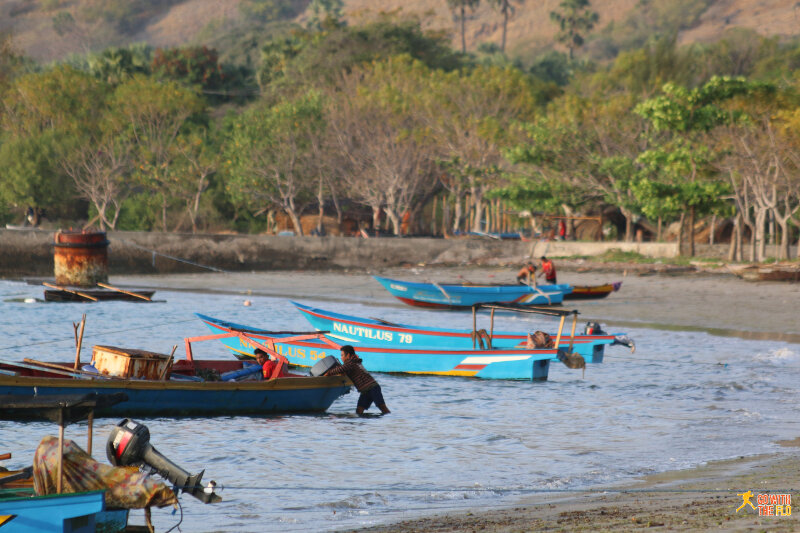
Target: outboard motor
{"points": [[593, 328], [129, 445]]}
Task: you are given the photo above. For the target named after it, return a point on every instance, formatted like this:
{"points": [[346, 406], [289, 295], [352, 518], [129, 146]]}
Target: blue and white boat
{"points": [[306, 350], [378, 332], [449, 296]]}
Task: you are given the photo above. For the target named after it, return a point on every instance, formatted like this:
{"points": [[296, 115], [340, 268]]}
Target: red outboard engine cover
{"points": [[127, 443]]}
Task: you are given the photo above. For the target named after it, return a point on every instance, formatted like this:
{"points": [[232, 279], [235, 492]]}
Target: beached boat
{"points": [[445, 295], [360, 331], [181, 391], [767, 272], [483, 362], [592, 292]]}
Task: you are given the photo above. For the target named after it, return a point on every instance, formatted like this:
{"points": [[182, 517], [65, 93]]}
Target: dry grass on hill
{"points": [[180, 22]]}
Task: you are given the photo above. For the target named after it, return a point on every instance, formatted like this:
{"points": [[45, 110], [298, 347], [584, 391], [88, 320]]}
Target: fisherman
{"points": [[527, 275], [268, 365], [549, 270], [364, 382]]}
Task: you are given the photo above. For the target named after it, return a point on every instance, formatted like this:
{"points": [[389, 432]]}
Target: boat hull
{"points": [[373, 332], [174, 398], [592, 292], [76, 512], [55, 295], [449, 296], [502, 363]]}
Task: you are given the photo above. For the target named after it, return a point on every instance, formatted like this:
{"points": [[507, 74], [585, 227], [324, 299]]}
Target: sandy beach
{"points": [[700, 499]]}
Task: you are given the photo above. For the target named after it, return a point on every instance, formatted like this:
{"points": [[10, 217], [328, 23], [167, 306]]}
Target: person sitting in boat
{"points": [[364, 382], [270, 368], [539, 339], [527, 275], [548, 270]]}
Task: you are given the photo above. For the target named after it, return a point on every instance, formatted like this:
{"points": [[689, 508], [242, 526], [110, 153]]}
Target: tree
{"points": [[507, 9], [155, 114], [684, 117], [272, 161], [325, 14], [574, 19], [376, 124], [459, 9]]}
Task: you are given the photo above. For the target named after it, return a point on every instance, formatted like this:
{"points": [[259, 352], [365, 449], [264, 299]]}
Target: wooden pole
{"points": [[129, 293], [560, 329], [89, 437], [491, 329], [59, 481], [79, 343], [433, 216], [60, 288], [165, 372], [474, 326], [572, 336]]}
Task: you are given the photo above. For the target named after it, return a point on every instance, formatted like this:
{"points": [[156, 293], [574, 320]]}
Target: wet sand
{"points": [[699, 499]]}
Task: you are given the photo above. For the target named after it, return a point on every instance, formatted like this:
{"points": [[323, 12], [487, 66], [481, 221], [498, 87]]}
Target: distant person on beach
{"points": [[548, 270], [364, 382], [269, 365], [527, 275]]}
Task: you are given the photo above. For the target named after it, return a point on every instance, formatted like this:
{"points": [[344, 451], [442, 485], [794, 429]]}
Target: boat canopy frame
{"points": [[562, 313]]}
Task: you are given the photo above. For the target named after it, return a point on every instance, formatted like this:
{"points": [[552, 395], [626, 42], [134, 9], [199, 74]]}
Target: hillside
{"points": [[165, 23]]}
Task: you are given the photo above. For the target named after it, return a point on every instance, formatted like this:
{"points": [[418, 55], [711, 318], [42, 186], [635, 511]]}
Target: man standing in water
{"points": [[549, 270], [364, 382]]}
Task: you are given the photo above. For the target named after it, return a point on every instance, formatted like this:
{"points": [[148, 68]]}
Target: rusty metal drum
{"points": [[81, 258]]}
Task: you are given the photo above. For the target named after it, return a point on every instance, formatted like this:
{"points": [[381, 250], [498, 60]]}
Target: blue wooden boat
{"points": [[378, 332], [489, 363], [184, 393], [449, 296], [21, 511]]}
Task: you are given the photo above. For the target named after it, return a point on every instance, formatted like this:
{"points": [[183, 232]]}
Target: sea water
{"points": [[450, 444]]}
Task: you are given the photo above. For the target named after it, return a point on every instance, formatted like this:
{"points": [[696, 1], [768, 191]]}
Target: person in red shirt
{"points": [[268, 365], [549, 270]]}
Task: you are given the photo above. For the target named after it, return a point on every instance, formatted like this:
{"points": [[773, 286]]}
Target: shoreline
{"points": [[703, 498]]}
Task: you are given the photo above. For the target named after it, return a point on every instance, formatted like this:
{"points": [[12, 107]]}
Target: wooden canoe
{"points": [[592, 292]]}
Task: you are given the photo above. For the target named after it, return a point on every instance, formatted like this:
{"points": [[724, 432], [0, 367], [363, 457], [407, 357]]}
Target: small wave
{"points": [[779, 356]]}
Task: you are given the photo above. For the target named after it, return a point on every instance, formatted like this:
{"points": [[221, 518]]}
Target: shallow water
{"points": [[450, 443]]}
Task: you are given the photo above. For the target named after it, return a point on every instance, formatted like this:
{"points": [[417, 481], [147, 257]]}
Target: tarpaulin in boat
{"points": [[126, 488]]}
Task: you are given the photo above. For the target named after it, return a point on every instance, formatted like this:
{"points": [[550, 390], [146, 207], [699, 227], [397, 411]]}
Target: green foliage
{"points": [[315, 60], [554, 67], [268, 10], [574, 19], [31, 172], [115, 65], [325, 14], [682, 110], [615, 255]]}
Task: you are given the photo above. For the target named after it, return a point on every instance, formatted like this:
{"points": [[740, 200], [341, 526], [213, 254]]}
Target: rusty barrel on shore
{"points": [[81, 258]]}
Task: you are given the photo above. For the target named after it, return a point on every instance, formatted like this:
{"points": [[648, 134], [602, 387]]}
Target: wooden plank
{"points": [[60, 288], [129, 293]]}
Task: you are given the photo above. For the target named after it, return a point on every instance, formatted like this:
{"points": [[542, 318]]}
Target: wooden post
{"points": [[474, 326], [79, 342], [572, 336], [59, 481], [491, 329], [433, 216], [89, 437], [165, 372], [560, 329]]}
